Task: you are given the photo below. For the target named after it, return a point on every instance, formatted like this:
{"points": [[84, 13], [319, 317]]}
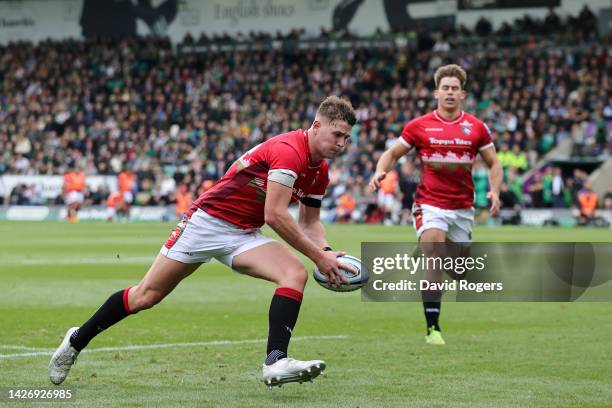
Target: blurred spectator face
{"points": [[449, 94]]}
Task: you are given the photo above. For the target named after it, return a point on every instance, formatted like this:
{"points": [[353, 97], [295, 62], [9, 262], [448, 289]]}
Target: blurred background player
{"points": [[184, 198], [447, 142], [74, 183], [386, 195], [115, 206], [224, 223], [127, 182]]}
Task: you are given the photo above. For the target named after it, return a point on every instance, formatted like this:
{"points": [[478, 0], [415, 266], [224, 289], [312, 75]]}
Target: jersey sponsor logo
{"points": [[450, 161], [298, 193], [450, 142], [434, 129]]}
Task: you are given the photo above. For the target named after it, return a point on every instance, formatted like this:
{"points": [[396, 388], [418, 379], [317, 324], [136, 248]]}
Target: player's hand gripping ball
{"points": [[355, 280]]}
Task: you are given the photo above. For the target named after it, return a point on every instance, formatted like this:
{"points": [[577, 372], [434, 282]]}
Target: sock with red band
{"points": [[112, 311], [284, 310]]}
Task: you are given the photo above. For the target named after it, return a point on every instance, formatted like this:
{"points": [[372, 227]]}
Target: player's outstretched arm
{"points": [[386, 163], [276, 213], [495, 177]]}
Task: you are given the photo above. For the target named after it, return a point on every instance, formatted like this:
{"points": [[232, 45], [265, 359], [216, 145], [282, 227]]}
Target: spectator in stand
{"points": [[164, 113], [608, 199], [557, 188], [408, 182], [518, 159], [511, 204], [515, 184], [536, 191], [480, 177]]}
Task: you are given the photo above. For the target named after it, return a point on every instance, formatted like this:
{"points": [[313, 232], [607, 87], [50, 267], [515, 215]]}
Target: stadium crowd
{"points": [[177, 120]]}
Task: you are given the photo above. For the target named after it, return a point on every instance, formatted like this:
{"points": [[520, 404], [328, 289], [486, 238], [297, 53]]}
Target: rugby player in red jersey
{"points": [[224, 222], [447, 142]]}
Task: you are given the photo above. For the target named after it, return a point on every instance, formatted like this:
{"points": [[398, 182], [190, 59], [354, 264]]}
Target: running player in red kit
{"points": [[224, 222], [447, 142]]}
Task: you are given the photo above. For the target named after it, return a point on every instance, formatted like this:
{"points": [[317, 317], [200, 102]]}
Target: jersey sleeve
{"points": [[409, 135], [284, 164], [314, 197], [486, 140]]}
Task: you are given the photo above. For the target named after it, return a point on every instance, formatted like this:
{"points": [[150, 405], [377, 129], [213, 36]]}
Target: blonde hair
{"points": [[336, 108], [453, 71]]}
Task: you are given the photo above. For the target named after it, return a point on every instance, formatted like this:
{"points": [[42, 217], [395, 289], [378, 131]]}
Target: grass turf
{"points": [[54, 275]]}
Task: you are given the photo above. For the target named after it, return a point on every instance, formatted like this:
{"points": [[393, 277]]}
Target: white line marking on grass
{"points": [[9, 346], [132, 260], [48, 352]]}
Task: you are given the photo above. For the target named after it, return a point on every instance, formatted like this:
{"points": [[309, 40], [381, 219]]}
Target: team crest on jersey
{"points": [[466, 127]]}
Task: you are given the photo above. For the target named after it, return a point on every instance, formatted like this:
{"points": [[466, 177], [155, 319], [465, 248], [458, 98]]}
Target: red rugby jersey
{"points": [[239, 196], [447, 150]]}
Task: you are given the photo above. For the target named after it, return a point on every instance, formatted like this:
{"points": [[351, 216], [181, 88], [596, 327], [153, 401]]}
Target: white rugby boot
{"points": [[63, 358], [288, 370]]}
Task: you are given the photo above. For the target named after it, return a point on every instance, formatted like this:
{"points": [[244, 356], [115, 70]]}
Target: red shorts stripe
{"points": [[289, 293], [178, 230], [126, 304], [419, 221]]}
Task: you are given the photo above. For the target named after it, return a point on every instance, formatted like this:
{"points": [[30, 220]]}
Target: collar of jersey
{"points": [[451, 122]]}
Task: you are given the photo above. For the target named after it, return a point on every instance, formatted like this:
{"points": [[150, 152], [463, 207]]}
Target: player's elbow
{"points": [[273, 217]]}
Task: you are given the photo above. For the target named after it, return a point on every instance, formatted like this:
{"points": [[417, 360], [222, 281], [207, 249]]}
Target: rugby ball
{"points": [[356, 280]]}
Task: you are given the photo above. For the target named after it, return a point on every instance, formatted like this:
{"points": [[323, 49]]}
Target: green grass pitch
{"points": [[54, 275]]}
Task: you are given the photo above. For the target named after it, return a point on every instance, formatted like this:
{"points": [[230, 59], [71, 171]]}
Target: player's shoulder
{"points": [[288, 146], [294, 140], [413, 125], [476, 122], [472, 119]]}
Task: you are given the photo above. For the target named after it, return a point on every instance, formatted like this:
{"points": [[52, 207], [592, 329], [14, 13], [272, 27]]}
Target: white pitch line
{"points": [[171, 345], [9, 346], [132, 260]]}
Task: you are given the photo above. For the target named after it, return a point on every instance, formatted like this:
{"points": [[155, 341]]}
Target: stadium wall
{"points": [[51, 186], [36, 20]]}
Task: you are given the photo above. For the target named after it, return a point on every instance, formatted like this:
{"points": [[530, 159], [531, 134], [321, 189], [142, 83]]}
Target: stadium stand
{"points": [[175, 117]]}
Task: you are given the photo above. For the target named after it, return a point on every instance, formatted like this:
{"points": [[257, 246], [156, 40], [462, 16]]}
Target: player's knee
{"points": [[294, 277], [145, 299]]}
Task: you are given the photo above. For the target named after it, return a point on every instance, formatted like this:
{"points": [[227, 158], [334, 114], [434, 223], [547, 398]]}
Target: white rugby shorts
{"points": [[73, 197], [457, 224], [201, 237]]}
